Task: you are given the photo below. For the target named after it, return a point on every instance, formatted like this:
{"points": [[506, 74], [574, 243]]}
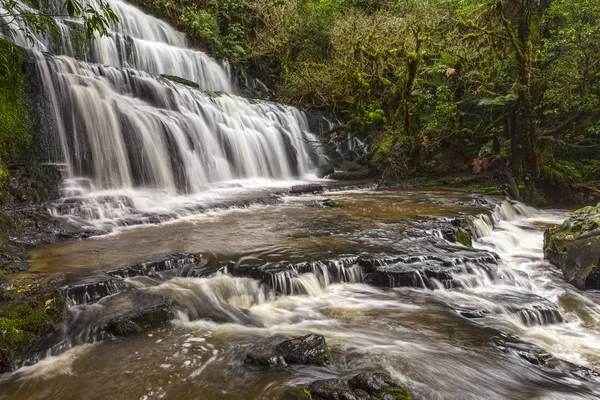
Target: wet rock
{"points": [[281, 277], [428, 263], [537, 356], [181, 80], [268, 360], [379, 386], [30, 184], [327, 203], [331, 389], [325, 171], [306, 189], [172, 262], [574, 247], [310, 349], [91, 289], [365, 386], [135, 312]]}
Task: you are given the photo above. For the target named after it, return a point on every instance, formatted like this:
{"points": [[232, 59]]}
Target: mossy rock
{"points": [[310, 349], [574, 247], [327, 203], [366, 386], [25, 318], [182, 81], [463, 238]]}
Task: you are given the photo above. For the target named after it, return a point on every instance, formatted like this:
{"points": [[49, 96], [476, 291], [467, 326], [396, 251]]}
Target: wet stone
{"points": [[364, 386], [155, 267], [379, 386], [144, 311], [331, 389], [310, 349], [92, 289], [427, 263], [306, 189]]}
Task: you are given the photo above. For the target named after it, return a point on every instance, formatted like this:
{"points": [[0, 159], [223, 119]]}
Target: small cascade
{"points": [[222, 299], [304, 278]]}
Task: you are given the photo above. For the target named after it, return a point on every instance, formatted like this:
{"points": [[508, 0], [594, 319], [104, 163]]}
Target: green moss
{"points": [[393, 392], [463, 238], [2, 276], [21, 325], [182, 81], [15, 121], [299, 394], [490, 190]]}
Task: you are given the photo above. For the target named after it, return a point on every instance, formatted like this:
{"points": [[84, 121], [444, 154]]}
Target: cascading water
{"points": [[142, 140], [470, 325]]}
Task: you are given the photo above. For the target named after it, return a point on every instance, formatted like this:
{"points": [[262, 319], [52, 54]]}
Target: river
{"points": [[421, 336]]}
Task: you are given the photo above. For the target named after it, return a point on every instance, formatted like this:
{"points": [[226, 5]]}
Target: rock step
{"points": [[92, 289], [119, 211], [424, 271], [527, 309], [172, 262]]}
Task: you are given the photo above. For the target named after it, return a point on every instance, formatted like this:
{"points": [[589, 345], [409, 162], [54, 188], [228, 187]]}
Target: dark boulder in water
{"points": [[574, 246], [379, 386], [325, 171], [136, 312], [310, 349], [331, 389], [365, 386]]}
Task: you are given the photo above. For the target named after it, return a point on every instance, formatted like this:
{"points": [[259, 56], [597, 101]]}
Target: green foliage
{"points": [[15, 124], [30, 22]]}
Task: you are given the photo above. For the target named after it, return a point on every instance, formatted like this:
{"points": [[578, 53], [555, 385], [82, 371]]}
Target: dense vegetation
{"points": [[511, 86]]}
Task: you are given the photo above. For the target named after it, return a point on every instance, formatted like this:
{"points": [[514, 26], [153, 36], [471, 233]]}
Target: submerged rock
{"points": [[327, 203], [310, 349], [365, 386], [574, 246]]}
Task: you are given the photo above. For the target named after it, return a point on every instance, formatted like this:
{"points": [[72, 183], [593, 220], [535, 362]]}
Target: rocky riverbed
{"points": [[403, 290]]}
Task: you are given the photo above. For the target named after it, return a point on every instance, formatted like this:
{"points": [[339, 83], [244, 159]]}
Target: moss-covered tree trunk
{"points": [[523, 141]]}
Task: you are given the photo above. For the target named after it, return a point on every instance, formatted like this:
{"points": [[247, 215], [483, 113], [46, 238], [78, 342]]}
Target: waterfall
{"points": [[123, 127]]}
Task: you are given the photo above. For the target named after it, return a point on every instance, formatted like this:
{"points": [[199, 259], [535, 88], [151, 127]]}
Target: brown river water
{"points": [[416, 334]]}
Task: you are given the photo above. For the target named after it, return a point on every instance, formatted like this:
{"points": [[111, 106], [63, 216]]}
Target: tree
{"points": [[16, 17]]}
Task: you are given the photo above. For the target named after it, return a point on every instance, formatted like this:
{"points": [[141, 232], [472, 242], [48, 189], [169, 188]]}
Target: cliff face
{"points": [[26, 146], [574, 246]]}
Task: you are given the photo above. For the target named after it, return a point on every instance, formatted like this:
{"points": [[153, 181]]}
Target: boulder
{"points": [[574, 247], [325, 170], [310, 349], [379, 386], [365, 386]]}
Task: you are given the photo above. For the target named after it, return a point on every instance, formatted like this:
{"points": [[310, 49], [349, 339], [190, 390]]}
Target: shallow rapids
{"points": [[441, 343]]}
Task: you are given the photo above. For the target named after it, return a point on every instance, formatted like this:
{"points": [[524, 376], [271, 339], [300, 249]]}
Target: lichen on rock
{"points": [[574, 246]]}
